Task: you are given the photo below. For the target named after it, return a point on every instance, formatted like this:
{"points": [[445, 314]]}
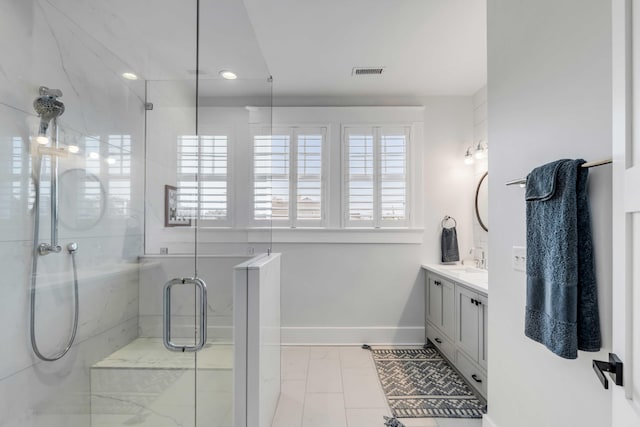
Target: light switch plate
{"points": [[519, 258]]}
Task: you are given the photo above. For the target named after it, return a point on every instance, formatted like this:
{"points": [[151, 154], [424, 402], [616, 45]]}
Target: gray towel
{"points": [[562, 304], [449, 245]]}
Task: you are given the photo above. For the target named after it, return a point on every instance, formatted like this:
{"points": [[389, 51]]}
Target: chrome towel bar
{"points": [[523, 181]]}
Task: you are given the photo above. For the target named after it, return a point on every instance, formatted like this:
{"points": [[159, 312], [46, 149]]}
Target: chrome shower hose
{"points": [[71, 248]]}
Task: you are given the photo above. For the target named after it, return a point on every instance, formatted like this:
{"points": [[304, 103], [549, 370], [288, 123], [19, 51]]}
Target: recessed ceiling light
{"points": [[129, 76], [73, 149], [111, 160], [93, 155], [229, 75]]}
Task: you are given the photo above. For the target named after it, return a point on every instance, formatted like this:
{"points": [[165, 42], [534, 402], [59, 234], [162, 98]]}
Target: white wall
{"points": [[549, 98], [374, 292], [337, 286], [41, 46]]}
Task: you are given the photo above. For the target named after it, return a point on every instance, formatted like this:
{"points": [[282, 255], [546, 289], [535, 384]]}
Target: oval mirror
{"points": [[82, 199], [482, 201]]}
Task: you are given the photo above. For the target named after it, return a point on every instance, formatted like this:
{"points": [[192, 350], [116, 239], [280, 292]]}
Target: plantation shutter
{"points": [[203, 162], [271, 177], [376, 176]]}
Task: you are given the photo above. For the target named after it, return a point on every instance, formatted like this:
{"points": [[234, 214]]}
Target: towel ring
{"points": [[447, 218]]}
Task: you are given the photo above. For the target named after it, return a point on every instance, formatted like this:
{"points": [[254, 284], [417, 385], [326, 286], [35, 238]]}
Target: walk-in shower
{"points": [[88, 162], [49, 108]]}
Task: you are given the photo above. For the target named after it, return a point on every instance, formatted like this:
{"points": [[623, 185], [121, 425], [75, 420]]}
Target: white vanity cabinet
{"points": [[456, 320]]}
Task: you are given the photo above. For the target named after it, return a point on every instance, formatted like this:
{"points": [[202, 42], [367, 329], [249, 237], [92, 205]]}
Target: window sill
{"points": [[348, 235], [304, 235]]}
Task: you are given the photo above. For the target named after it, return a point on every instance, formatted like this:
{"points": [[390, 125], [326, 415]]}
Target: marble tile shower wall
{"points": [[101, 208]]}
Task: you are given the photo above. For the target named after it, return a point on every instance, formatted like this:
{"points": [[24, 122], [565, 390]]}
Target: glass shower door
{"points": [[234, 103], [151, 381]]}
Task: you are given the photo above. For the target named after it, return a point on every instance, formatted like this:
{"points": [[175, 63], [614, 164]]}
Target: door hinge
{"points": [[148, 106]]}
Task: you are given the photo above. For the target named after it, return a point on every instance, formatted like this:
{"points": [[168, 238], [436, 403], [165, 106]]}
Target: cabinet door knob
{"points": [[476, 379], [473, 301], [478, 302], [438, 340]]}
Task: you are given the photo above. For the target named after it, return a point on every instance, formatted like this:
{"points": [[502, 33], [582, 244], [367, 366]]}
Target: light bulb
{"points": [[111, 160], [468, 158], [73, 149], [229, 75], [480, 151], [93, 155], [42, 139]]}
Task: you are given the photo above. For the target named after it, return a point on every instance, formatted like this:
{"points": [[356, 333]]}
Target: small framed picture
{"points": [[172, 217]]}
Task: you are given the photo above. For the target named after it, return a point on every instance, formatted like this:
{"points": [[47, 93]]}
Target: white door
{"points": [[626, 209]]}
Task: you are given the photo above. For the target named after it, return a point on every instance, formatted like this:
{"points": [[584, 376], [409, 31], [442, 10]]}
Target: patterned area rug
{"points": [[420, 383]]}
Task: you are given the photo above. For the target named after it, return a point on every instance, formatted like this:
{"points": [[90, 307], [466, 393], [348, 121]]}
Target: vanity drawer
{"points": [[476, 377], [439, 340]]}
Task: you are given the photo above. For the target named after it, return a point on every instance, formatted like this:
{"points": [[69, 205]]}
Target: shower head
{"points": [[48, 108]]}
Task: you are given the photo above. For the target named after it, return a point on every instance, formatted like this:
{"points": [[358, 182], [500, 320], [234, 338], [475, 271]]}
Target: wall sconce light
{"points": [[480, 152], [468, 158]]}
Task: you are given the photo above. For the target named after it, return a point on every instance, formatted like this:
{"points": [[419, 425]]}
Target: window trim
{"points": [[376, 130], [293, 130]]}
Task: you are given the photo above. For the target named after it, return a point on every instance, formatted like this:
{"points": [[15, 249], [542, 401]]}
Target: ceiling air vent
{"points": [[367, 71]]}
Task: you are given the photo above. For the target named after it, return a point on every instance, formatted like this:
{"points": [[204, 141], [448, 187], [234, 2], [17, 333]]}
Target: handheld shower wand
{"points": [[49, 108]]}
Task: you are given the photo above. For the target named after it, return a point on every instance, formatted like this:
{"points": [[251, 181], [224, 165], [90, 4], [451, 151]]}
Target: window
{"points": [[119, 169], [288, 162], [375, 172], [14, 187], [206, 178]]}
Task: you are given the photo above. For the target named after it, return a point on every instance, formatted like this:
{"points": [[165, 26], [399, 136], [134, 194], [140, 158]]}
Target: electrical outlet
{"points": [[519, 258]]}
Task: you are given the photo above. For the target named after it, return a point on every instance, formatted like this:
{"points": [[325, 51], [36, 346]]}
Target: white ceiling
{"points": [[429, 47], [309, 46]]}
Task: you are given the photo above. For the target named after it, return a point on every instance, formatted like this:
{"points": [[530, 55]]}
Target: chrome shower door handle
{"points": [[166, 314]]}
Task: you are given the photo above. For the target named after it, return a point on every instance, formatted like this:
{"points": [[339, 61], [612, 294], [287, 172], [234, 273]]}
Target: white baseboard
{"points": [[486, 421], [407, 335]]}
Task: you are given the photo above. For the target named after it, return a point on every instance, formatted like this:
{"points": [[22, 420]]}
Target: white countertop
{"points": [[474, 278]]}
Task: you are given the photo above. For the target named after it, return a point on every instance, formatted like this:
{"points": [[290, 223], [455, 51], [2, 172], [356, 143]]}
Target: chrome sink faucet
{"points": [[479, 262]]}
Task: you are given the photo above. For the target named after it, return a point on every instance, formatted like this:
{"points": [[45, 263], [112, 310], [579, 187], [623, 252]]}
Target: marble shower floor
{"points": [[145, 385]]}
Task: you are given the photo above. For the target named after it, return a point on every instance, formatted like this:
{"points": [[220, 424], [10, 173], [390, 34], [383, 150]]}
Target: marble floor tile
{"points": [[290, 405], [366, 417], [295, 363], [332, 353], [324, 410], [457, 422], [336, 387], [324, 376], [362, 389], [419, 422], [356, 358]]}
